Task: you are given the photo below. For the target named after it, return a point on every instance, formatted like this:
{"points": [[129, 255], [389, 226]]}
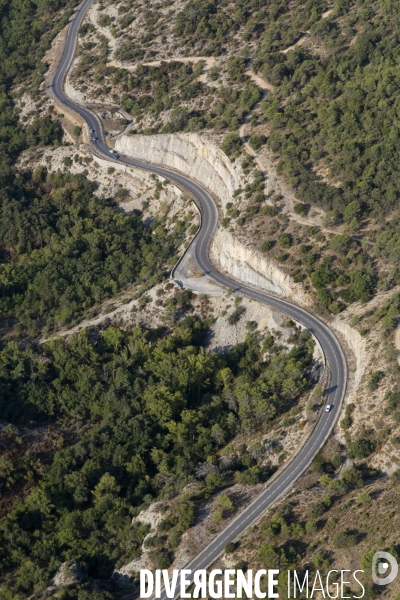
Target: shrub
{"points": [[269, 211], [346, 423], [282, 257], [352, 211], [284, 240], [68, 161], [366, 560], [168, 523], [331, 219], [252, 210], [104, 20], [353, 478], [393, 400], [318, 391], [344, 539], [187, 514], [235, 316], [192, 229], [318, 464], [256, 141], [340, 243], [374, 379], [267, 245], [361, 448], [268, 343], [225, 506], [364, 498], [249, 477], [269, 556], [300, 209], [230, 547], [174, 538], [122, 193], [362, 286], [161, 558], [311, 527], [215, 480], [317, 509], [231, 144]]}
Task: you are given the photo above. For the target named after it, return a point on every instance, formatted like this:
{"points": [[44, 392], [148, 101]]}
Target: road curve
{"points": [[332, 350]]}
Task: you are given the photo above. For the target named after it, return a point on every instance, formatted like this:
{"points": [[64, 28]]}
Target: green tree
{"points": [[345, 539], [352, 211], [361, 448], [231, 144], [340, 243]]}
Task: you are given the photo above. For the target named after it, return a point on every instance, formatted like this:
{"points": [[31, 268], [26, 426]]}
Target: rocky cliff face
{"points": [[191, 154], [358, 347], [197, 157], [72, 92], [245, 264]]}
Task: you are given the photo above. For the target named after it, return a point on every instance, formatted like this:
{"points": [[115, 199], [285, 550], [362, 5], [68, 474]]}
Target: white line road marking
{"points": [[332, 351]]}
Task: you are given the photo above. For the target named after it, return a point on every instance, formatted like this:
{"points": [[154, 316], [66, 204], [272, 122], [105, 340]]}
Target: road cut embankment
{"points": [[191, 154], [198, 158]]}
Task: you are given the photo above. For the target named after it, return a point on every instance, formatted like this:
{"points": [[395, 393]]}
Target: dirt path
{"points": [[92, 16], [208, 60], [267, 167], [266, 87], [327, 13], [306, 35], [262, 83], [397, 342], [299, 42]]}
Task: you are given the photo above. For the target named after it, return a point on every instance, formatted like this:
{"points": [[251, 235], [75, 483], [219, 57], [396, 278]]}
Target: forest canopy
{"points": [[65, 250], [147, 408], [336, 108]]}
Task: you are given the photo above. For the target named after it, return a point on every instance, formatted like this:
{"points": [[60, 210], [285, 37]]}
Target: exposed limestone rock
{"points": [[69, 573], [197, 157], [357, 345], [247, 265], [191, 154], [152, 516], [70, 91]]}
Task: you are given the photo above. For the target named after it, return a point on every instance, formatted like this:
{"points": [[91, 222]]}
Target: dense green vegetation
{"points": [[147, 408], [333, 112], [138, 415], [65, 250], [334, 107], [337, 107], [26, 31], [27, 217]]}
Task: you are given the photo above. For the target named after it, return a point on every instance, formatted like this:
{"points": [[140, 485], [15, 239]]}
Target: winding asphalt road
{"points": [[333, 354]]}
